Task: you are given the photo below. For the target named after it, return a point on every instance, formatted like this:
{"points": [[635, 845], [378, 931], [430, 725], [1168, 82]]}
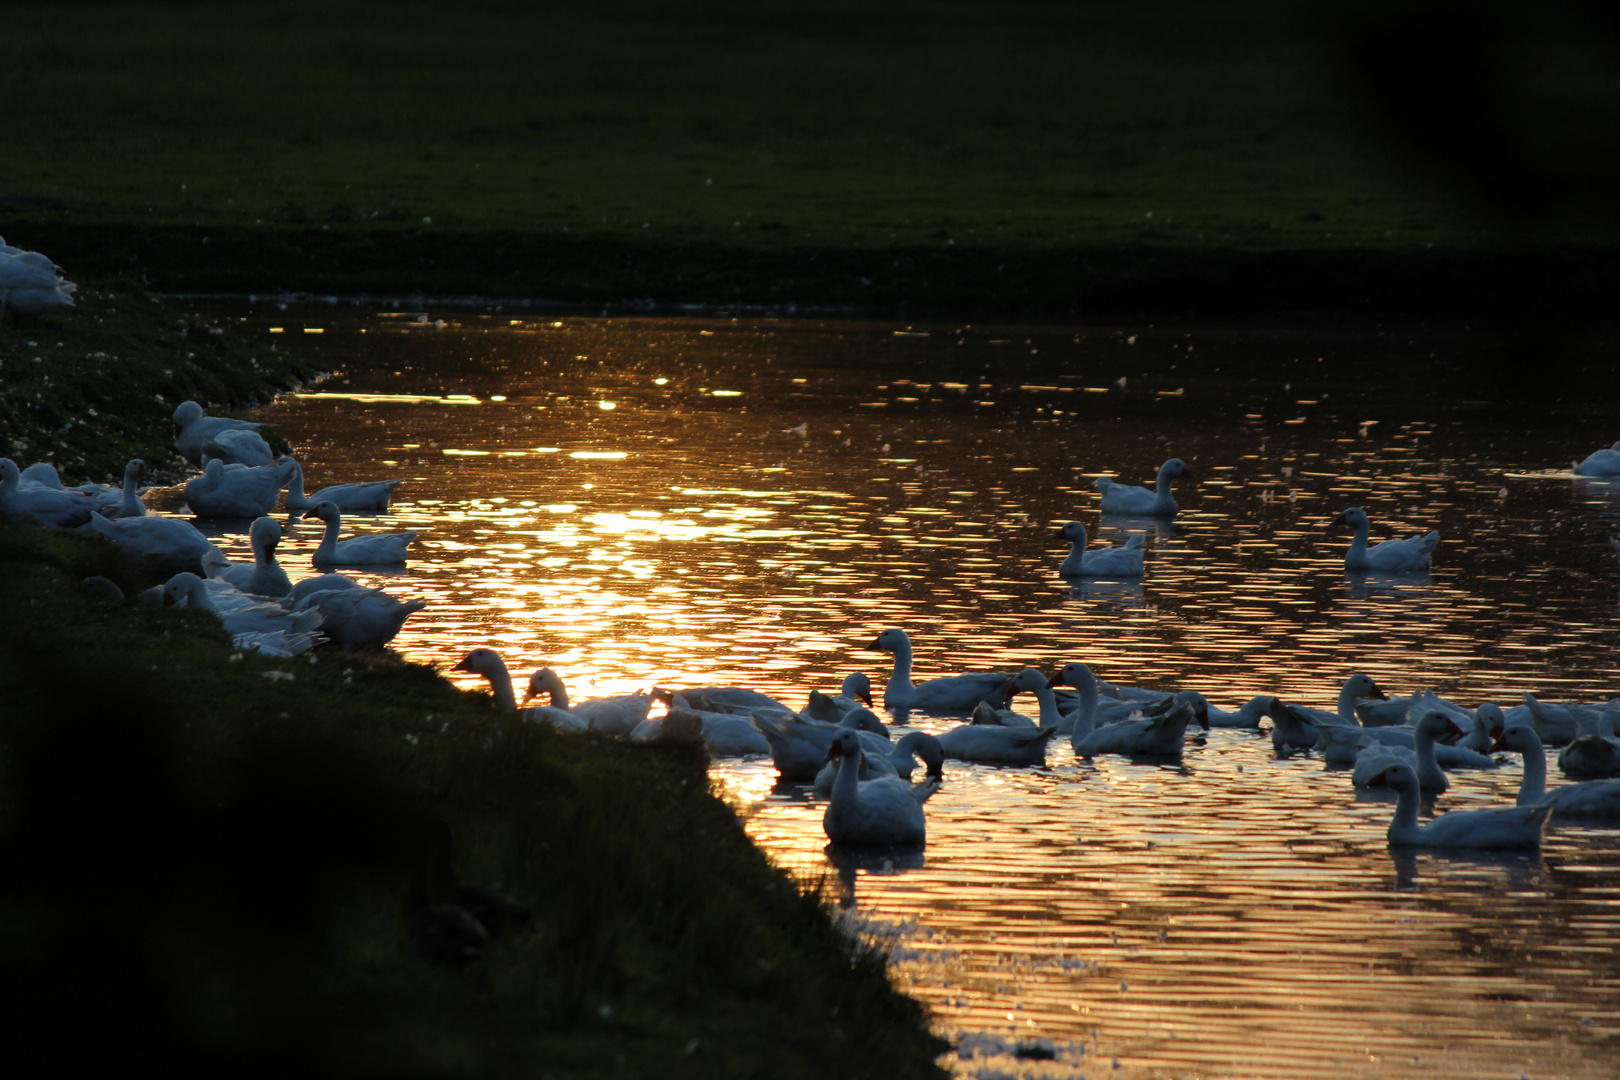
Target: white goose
{"points": [[1485, 729], [1246, 717], [1508, 828], [613, 715], [949, 693], [272, 626], [488, 663], [238, 446], [38, 505], [367, 497], [1601, 463], [1594, 757], [886, 810], [1114, 562], [856, 693], [1162, 736], [1374, 759], [31, 284], [245, 492], [374, 549], [1140, 501], [1585, 799], [123, 500], [359, 618], [902, 762], [162, 546], [1394, 556], [264, 575], [799, 746], [193, 430], [1294, 727]]}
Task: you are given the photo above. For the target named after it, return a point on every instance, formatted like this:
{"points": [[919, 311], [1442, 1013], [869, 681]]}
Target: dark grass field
{"points": [[1028, 156]]}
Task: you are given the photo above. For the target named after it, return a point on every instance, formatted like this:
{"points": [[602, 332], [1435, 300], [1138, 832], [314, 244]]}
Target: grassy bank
{"points": [[209, 854], [1161, 157]]}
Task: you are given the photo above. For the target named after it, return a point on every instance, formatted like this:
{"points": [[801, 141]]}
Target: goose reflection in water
{"points": [[1408, 585], [848, 860], [1124, 592], [1507, 871]]}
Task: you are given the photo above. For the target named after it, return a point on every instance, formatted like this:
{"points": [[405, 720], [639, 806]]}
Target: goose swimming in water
{"points": [[264, 575], [1393, 556], [885, 810], [365, 497], [948, 693], [373, 549], [1506, 828], [1601, 463], [1160, 736], [1140, 501], [1583, 799], [1114, 562]]}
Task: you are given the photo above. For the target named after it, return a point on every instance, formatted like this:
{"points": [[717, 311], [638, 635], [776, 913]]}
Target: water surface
{"points": [[639, 501]]}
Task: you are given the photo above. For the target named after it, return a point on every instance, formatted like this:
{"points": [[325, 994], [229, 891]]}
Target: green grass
{"points": [[944, 152], [208, 854]]}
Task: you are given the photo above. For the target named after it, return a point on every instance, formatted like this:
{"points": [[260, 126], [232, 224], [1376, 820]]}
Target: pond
{"points": [[638, 501]]}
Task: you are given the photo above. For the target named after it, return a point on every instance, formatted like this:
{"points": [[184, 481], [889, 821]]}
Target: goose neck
{"points": [[1533, 787], [1403, 828]]}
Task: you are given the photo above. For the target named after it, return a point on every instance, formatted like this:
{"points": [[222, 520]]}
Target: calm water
{"points": [[691, 501]]}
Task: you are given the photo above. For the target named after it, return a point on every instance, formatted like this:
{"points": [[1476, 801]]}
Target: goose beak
{"points": [[834, 752], [873, 647], [1059, 535], [306, 515], [864, 696], [1338, 519], [1379, 694], [461, 666], [1056, 680], [1203, 717]]}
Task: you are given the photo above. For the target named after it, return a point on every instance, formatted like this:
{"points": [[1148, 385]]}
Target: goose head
{"points": [[482, 661], [265, 532], [179, 588], [1362, 686], [187, 414], [1519, 739], [326, 510], [857, 686], [845, 744], [1354, 516], [1073, 532], [1028, 681], [545, 681], [1175, 468], [890, 640], [1076, 675]]}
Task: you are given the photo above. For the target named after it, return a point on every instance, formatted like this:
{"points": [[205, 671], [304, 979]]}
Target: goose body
{"points": [[38, 505], [1591, 757], [246, 492], [1374, 760], [1394, 556], [1601, 463], [799, 746], [949, 693], [193, 430], [902, 761], [1160, 736], [1295, 727], [993, 744], [31, 285], [359, 618], [1141, 501], [366, 497], [1556, 724], [1583, 799], [162, 546], [1246, 717], [885, 810], [123, 500], [238, 446], [375, 549], [1115, 562], [268, 624], [1494, 828], [619, 715]]}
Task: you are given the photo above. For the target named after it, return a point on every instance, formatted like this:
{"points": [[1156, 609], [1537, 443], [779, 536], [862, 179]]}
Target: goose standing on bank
{"points": [[885, 810], [948, 693], [1503, 828], [193, 430], [1601, 463], [1114, 562], [368, 497], [1391, 556], [374, 549], [359, 618], [488, 663], [162, 546], [1141, 501]]}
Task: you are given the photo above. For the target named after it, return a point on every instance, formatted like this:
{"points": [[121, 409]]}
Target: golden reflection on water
{"points": [[764, 495]]}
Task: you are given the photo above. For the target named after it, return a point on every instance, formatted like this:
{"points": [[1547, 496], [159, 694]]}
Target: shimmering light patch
{"points": [[465, 453], [599, 455], [726, 393], [607, 406], [374, 399]]}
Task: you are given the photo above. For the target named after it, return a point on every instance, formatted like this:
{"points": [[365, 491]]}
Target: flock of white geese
{"points": [[835, 742]]}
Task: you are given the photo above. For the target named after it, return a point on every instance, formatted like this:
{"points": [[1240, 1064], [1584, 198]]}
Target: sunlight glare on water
{"points": [[764, 495]]}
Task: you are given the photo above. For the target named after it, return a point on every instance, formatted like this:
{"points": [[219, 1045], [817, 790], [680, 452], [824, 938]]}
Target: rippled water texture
{"points": [[683, 501]]}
